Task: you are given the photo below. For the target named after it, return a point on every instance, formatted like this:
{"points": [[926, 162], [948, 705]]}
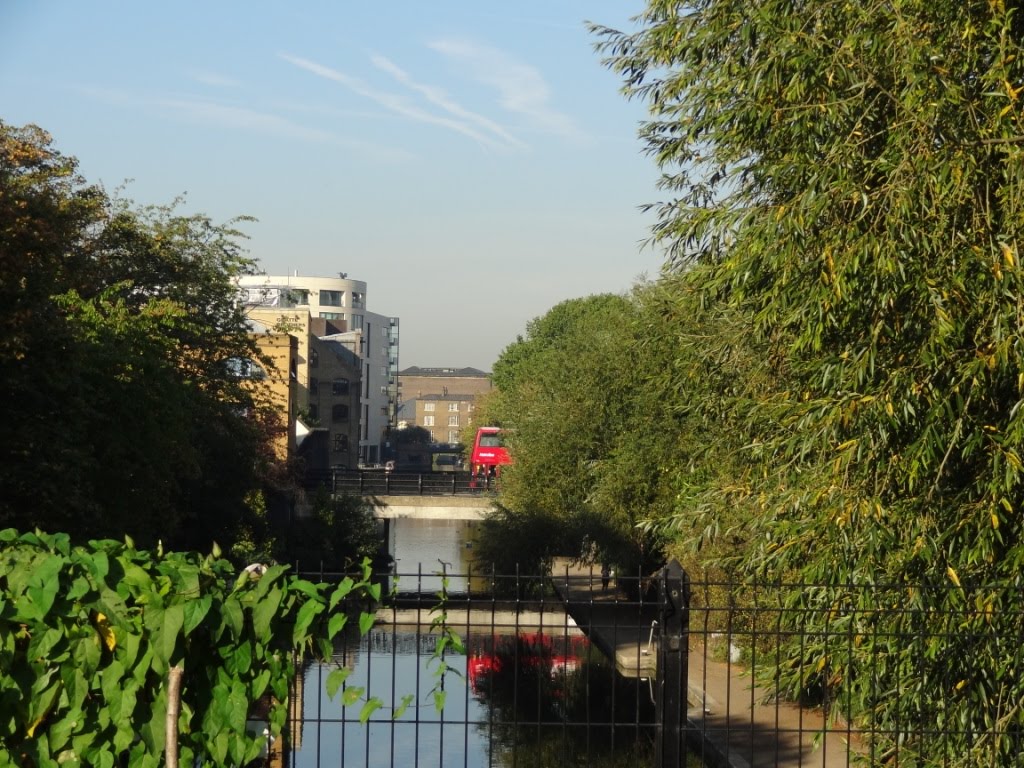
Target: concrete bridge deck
{"points": [[431, 507]]}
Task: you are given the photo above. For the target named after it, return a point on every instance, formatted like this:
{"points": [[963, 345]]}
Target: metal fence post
{"points": [[673, 655]]}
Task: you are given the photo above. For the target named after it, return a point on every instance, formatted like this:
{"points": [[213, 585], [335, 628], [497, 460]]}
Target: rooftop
{"points": [[415, 370]]}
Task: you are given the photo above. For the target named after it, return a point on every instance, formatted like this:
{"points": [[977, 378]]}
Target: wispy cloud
{"points": [[440, 98], [521, 88], [457, 119], [214, 79], [240, 118], [251, 120]]}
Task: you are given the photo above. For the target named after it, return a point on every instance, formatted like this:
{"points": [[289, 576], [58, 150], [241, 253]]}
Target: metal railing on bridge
{"points": [[377, 482]]}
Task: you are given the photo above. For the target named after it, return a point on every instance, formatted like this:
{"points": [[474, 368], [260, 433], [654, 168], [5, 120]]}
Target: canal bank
{"points": [[731, 721]]}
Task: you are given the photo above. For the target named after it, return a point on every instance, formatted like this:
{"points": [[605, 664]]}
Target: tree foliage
{"points": [[122, 414], [566, 393], [844, 189], [88, 635]]}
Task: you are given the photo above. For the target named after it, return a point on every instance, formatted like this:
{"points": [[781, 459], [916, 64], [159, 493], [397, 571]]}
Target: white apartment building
{"points": [[373, 337]]}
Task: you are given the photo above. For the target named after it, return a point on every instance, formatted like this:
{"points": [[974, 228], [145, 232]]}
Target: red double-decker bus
{"points": [[489, 452]]}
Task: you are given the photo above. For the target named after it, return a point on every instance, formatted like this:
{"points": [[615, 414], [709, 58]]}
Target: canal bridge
{"points": [[417, 495]]}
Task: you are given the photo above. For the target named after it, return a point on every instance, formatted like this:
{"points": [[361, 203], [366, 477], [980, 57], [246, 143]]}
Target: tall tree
{"points": [[846, 177], [121, 412], [566, 393]]}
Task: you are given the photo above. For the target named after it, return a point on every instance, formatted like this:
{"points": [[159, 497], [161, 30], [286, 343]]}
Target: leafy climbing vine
{"points": [[89, 634]]}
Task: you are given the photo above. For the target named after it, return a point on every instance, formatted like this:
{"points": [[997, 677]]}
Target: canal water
{"points": [[510, 701], [510, 697], [424, 549]]}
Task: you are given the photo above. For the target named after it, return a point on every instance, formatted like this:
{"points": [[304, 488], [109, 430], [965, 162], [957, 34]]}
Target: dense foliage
{"points": [[121, 410], [579, 425], [89, 634], [825, 385], [843, 231]]}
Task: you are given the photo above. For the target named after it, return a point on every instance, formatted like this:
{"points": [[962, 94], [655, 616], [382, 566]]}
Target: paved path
{"points": [[732, 721]]}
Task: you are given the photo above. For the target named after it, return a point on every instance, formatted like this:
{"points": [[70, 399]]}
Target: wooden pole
{"points": [[173, 711]]}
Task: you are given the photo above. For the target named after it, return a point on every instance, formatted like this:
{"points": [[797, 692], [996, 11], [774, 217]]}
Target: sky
{"points": [[474, 163]]}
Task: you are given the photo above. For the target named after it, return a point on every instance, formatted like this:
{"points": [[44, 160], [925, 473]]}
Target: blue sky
{"points": [[473, 162]]}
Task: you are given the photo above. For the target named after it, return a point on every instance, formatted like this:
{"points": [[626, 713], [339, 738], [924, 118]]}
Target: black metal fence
{"points": [[378, 482], [591, 669]]}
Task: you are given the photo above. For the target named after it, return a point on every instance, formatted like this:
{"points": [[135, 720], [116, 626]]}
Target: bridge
{"points": [[419, 495]]}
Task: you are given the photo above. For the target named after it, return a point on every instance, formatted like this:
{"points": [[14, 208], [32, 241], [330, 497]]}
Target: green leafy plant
{"points": [[89, 635]]}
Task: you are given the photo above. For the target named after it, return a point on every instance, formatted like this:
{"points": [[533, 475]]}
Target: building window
{"points": [[332, 315], [339, 412], [339, 387], [340, 443], [428, 421], [453, 421], [428, 406], [314, 385], [357, 322], [357, 300], [314, 411], [453, 407], [300, 296], [314, 358], [453, 437], [244, 368], [330, 299]]}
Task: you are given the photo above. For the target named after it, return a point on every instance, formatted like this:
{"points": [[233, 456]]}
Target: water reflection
{"points": [[419, 547], [511, 700], [515, 697]]}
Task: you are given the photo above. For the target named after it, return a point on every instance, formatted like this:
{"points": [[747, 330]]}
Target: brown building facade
{"points": [[441, 400]]}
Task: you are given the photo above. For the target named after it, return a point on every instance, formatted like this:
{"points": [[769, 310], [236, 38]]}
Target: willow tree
{"points": [[847, 176]]}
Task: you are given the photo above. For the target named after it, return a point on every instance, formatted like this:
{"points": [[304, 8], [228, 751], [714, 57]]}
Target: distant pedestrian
{"points": [[606, 573]]}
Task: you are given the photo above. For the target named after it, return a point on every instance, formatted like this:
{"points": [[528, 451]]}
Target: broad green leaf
{"points": [[335, 680], [335, 624], [307, 588], [43, 586], [371, 706], [42, 643], [305, 617], [340, 592], [403, 706], [264, 611], [237, 708], [232, 617], [259, 684], [352, 695], [86, 653], [241, 659], [102, 759], [45, 692], [112, 681], [194, 613], [174, 618], [366, 621]]}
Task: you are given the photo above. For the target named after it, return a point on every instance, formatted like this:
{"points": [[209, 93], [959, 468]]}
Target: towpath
{"points": [[732, 722]]}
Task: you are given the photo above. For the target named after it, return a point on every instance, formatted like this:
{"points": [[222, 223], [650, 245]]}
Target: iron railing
{"points": [[574, 668], [378, 482]]}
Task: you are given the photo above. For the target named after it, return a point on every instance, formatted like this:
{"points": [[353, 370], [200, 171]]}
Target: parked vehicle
{"points": [[489, 452]]}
